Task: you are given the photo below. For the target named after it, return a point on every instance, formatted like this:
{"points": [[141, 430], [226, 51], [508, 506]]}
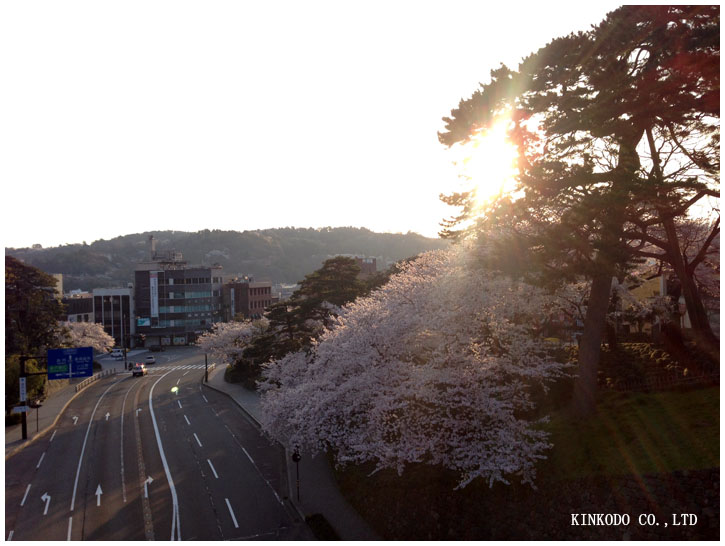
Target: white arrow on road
{"points": [[99, 492], [137, 410], [75, 419], [146, 486], [46, 499], [107, 416]]}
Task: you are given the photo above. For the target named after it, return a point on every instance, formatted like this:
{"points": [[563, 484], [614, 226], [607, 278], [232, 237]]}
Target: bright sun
{"points": [[489, 163]]}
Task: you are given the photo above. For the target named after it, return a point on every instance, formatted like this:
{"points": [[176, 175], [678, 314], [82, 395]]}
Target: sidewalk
{"points": [[319, 493], [42, 419]]}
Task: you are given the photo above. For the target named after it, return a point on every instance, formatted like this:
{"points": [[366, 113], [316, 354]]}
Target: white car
{"points": [[117, 354], [150, 359]]}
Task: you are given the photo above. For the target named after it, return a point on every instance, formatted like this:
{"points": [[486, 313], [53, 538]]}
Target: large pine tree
{"points": [[594, 114]]}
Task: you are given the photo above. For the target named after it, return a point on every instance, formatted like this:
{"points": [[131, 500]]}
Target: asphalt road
{"points": [[154, 457]]}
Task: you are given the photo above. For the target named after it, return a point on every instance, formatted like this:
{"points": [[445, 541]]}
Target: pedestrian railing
{"points": [[83, 384]]}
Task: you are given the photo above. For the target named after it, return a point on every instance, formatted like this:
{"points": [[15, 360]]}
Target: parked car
{"points": [[139, 370], [151, 359], [117, 354]]}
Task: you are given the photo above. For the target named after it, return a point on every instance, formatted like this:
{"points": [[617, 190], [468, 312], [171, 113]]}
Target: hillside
{"points": [[283, 255]]}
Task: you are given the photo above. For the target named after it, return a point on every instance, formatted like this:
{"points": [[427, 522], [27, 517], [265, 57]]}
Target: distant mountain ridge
{"points": [[281, 255]]}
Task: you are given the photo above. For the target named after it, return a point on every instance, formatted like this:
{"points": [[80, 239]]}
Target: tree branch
{"points": [[703, 251]]}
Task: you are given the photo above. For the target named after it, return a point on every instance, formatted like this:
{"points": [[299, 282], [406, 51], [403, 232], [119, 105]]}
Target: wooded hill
{"points": [[283, 255]]}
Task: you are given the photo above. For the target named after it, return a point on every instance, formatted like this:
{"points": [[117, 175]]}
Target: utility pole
{"points": [[123, 339]]}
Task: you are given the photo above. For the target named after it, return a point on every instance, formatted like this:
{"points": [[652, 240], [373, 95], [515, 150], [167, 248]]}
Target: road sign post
{"points": [[24, 392], [62, 364], [69, 363]]}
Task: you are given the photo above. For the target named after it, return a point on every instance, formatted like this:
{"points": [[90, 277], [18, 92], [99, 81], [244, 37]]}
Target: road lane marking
{"points": [[22, 502], [70, 526], [197, 440], [41, 460], [178, 381], [148, 521], [148, 481], [184, 374], [46, 499], [179, 401], [261, 475], [175, 521], [205, 400], [53, 435], [107, 416], [187, 420], [10, 536], [248, 456], [98, 494], [212, 469], [231, 512], [85, 441]]}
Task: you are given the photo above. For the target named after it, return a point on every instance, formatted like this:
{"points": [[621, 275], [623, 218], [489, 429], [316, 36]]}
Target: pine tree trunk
{"points": [[704, 336], [701, 328], [584, 401]]}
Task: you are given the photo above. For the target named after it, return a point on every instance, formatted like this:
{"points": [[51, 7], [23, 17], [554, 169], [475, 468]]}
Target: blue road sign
{"points": [[67, 363]]}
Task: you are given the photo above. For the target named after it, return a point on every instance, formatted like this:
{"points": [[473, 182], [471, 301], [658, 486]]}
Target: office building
{"points": [[175, 302]]}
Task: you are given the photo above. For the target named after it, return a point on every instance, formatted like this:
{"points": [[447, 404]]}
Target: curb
{"points": [[43, 432], [286, 451]]}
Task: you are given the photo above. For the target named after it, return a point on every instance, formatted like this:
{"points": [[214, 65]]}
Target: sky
{"points": [[121, 117]]}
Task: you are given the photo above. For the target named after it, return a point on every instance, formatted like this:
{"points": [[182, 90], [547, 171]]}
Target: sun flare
{"points": [[489, 163]]}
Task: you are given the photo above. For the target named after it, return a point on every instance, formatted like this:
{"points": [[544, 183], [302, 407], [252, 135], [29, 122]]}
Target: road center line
{"points": [[22, 502], [212, 469], [41, 460], [70, 526], [123, 411], [179, 402], [231, 512], [197, 440], [53, 435], [187, 420]]}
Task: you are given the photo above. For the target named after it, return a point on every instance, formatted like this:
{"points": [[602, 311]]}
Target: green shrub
{"points": [[321, 527], [243, 373]]}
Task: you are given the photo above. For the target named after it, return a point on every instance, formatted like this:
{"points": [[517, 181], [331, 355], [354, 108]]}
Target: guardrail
{"points": [[83, 384]]}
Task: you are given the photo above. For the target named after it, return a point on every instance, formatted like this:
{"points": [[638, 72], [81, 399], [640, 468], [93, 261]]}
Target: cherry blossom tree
{"points": [[85, 334], [227, 340], [434, 367]]}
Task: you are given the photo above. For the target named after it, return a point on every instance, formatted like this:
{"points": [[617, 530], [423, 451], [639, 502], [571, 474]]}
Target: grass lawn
{"points": [[631, 434], [638, 433]]}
